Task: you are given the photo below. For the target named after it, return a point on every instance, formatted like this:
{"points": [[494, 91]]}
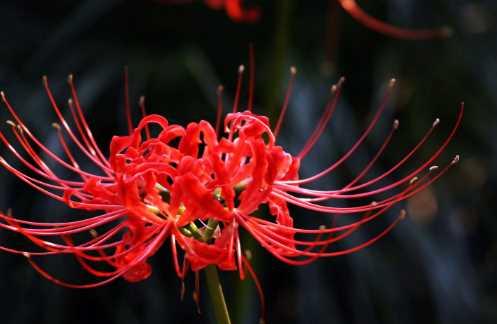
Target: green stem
{"points": [[212, 277], [213, 284], [217, 297]]}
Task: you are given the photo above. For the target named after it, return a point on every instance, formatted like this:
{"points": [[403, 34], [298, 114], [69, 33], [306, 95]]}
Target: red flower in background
{"points": [[234, 9], [197, 188], [353, 9]]}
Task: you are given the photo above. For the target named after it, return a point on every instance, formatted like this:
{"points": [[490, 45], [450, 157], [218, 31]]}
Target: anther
{"points": [[153, 209], [322, 227], [433, 168], [19, 128], [436, 122], [56, 126], [26, 254], [220, 89], [186, 232], [413, 180], [93, 233], [337, 85], [196, 300], [403, 214], [396, 124], [2, 94], [392, 82], [160, 187], [241, 68], [182, 291], [455, 159], [70, 78], [218, 193], [293, 70]]}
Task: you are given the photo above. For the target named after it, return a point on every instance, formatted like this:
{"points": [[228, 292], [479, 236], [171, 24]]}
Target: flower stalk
{"points": [[217, 296], [214, 286]]}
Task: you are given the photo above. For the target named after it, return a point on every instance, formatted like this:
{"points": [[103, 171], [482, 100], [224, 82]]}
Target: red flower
{"points": [[234, 9], [382, 27], [197, 189]]}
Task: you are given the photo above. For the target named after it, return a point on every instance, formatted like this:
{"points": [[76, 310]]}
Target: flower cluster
{"points": [[197, 189]]}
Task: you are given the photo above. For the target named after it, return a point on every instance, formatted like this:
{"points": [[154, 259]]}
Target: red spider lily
{"points": [[234, 9], [197, 189], [382, 27]]}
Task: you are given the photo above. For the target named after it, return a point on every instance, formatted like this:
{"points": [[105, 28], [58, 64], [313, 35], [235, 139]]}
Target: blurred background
{"points": [[437, 266]]}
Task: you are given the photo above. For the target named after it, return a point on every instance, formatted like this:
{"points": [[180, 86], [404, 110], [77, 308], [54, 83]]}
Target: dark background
{"points": [[438, 266]]}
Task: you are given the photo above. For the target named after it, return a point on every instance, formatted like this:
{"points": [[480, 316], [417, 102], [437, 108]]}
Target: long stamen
{"points": [[64, 145], [72, 203], [151, 247], [409, 192], [219, 110], [31, 167], [45, 171], [236, 101], [174, 252], [84, 123], [293, 72], [368, 167], [374, 180], [127, 106], [87, 144], [336, 90], [26, 130], [264, 239], [361, 139], [91, 155], [20, 132], [412, 174]]}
